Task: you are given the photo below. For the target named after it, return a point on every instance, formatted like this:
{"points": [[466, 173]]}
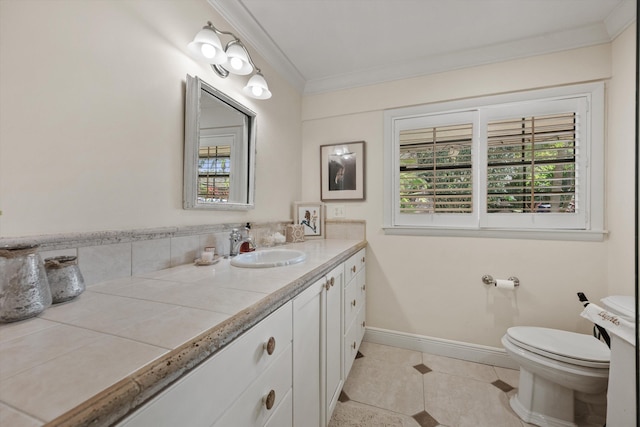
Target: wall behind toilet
{"points": [[92, 118], [432, 285]]}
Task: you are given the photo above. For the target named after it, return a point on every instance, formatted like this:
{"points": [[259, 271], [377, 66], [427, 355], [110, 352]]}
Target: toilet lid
{"points": [[565, 346], [621, 305]]}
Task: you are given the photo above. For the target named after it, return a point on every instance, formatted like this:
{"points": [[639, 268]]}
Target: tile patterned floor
{"points": [[390, 387]]}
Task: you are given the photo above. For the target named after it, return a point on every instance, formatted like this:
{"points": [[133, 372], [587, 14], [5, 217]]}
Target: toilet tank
{"points": [[621, 396], [622, 305]]}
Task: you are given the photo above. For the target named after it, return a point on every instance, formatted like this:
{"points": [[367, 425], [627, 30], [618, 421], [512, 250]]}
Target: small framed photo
{"points": [[311, 216], [342, 171]]}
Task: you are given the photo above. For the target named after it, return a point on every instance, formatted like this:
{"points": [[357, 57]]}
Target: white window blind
{"points": [[436, 169], [531, 164]]}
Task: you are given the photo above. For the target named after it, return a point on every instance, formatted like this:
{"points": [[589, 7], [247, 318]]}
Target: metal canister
{"points": [[24, 288], [65, 279]]}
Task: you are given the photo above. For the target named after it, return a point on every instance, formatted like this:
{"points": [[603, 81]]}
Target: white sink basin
{"points": [[268, 258]]}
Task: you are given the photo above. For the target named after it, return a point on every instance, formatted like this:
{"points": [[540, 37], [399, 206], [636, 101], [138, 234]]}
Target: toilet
{"points": [[556, 367]]}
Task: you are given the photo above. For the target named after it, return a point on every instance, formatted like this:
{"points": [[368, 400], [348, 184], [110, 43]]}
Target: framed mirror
{"points": [[219, 150]]}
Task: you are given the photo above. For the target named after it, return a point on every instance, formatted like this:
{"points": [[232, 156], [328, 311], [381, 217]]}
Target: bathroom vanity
{"points": [[275, 333]]}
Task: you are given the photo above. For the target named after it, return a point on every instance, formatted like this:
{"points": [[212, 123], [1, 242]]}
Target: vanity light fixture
{"points": [[233, 59]]}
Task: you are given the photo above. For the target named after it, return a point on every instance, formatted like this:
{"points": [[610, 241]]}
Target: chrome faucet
{"points": [[236, 239]]}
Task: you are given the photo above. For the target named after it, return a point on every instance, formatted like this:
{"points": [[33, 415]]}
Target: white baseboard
{"points": [[458, 350]]}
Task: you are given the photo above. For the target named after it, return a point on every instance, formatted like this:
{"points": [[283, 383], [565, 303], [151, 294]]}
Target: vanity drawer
{"points": [[353, 265], [283, 415], [201, 397], [262, 399], [354, 298]]}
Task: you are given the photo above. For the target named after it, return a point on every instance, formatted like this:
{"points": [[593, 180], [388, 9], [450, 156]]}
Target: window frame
{"points": [[480, 223]]}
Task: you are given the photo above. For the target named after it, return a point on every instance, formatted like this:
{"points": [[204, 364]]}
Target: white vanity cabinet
{"points": [[318, 373], [243, 385], [354, 307], [286, 371]]}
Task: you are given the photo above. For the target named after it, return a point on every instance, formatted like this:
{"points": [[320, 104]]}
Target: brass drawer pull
{"points": [[270, 346], [327, 285], [364, 287], [353, 345], [353, 269], [363, 260], [363, 324], [353, 303], [270, 400], [332, 281]]}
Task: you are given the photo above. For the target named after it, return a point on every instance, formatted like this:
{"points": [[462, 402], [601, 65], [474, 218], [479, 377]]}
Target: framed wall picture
{"points": [[311, 216], [342, 171]]}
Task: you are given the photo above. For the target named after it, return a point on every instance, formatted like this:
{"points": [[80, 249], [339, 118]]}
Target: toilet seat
{"points": [[564, 346]]}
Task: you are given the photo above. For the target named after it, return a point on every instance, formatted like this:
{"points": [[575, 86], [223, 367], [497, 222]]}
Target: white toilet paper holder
{"points": [[488, 279]]}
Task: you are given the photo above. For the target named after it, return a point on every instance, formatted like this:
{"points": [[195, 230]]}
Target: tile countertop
{"points": [[92, 360]]}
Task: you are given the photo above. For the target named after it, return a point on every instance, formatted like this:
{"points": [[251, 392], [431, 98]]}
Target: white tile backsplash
{"points": [[105, 262], [150, 255], [184, 250], [109, 255]]}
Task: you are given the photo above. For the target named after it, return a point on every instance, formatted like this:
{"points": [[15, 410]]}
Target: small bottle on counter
{"points": [[247, 245]]}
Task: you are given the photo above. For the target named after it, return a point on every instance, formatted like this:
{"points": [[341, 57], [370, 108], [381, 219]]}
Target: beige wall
{"points": [[432, 285], [91, 138], [92, 118], [621, 163]]}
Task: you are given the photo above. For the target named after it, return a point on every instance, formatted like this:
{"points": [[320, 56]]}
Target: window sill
{"points": [[496, 233]]}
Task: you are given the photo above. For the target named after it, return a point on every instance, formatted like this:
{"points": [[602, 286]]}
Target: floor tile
{"points": [[354, 414], [391, 354], [463, 402], [462, 368], [424, 419], [385, 385], [456, 393], [509, 376]]}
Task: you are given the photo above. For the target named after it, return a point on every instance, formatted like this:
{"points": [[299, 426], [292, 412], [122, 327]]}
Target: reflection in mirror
{"points": [[219, 151]]}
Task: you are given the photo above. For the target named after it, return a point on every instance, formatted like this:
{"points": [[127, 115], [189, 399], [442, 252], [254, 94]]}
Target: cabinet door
{"points": [[307, 317], [333, 337]]}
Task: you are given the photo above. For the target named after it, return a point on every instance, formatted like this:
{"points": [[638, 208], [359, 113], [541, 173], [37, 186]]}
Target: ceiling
{"points": [[326, 45]]}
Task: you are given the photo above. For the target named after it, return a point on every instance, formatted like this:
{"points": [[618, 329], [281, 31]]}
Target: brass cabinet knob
{"points": [[364, 287], [363, 260], [327, 285], [353, 303], [270, 346], [363, 324], [270, 400], [353, 269], [332, 281]]}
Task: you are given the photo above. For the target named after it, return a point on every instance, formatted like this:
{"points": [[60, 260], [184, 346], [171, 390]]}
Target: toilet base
{"points": [[536, 418], [542, 402]]}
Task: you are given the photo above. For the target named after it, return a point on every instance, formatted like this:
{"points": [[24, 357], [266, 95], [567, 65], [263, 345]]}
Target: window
{"points": [[526, 163], [214, 167]]}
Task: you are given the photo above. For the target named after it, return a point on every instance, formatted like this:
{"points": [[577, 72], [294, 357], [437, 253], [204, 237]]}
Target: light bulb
{"points": [[208, 50], [256, 90], [235, 63]]}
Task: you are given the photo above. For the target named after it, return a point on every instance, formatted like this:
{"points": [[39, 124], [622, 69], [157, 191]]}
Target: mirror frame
{"points": [[194, 88]]}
